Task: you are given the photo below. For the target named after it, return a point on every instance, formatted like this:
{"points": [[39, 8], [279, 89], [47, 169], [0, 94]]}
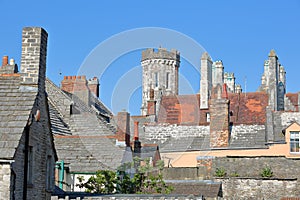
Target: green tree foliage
{"points": [[146, 179], [102, 183]]}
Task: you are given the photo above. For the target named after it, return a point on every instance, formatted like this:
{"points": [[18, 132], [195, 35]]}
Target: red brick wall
{"points": [[74, 83]]}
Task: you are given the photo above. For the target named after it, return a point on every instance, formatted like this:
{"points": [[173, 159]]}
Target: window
{"points": [[156, 79], [30, 165], [207, 117], [167, 79], [294, 141]]}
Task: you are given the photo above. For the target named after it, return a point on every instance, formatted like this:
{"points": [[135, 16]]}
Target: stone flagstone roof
{"points": [[16, 102]]}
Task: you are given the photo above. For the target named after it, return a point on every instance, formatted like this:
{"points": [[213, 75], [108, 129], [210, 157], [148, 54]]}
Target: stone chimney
{"points": [[77, 85], [137, 144], [123, 128], [93, 85], [206, 80], [217, 73], [219, 117], [33, 58]]}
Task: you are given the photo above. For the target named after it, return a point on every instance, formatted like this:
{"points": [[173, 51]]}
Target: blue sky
{"points": [[240, 33]]}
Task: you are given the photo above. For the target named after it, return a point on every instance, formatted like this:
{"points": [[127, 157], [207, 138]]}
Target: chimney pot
{"points": [[224, 93], [5, 60], [11, 61]]}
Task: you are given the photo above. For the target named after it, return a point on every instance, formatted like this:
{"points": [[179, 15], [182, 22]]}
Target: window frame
{"points": [[294, 142]]}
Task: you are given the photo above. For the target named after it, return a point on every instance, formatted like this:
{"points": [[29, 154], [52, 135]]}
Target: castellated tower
{"points": [[229, 79], [273, 82], [160, 77], [206, 80]]}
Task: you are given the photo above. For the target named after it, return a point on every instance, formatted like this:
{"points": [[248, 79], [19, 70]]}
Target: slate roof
{"points": [[16, 102], [84, 140], [246, 108], [185, 144], [293, 97]]}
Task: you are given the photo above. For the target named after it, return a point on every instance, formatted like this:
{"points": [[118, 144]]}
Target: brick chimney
{"points": [[151, 104], [93, 85], [33, 58], [123, 128], [219, 117], [137, 144], [77, 85]]}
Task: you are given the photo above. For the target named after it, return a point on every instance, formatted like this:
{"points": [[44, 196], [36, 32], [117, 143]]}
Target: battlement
{"points": [[161, 53], [218, 62], [228, 75]]}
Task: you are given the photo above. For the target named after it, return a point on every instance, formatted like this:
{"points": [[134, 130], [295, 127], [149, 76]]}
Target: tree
{"points": [[103, 182], [146, 179]]}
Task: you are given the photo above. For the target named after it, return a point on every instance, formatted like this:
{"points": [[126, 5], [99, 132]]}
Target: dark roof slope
{"points": [[16, 102], [83, 140]]}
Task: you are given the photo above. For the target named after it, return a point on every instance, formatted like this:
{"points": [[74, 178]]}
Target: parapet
{"points": [[161, 53], [228, 75]]}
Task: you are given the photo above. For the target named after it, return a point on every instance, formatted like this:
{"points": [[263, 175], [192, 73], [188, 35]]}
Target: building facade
{"points": [[27, 149]]}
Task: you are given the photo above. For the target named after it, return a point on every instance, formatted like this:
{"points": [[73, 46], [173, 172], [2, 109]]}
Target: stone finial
{"points": [[272, 53], [205, 56]]}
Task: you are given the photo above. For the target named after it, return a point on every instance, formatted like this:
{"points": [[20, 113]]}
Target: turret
{"points": [[160, 73]]}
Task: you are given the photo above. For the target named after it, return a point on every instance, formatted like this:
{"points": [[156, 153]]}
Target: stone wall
{"points": [[130, 196], [252, 166], [249, 188], [162, 132], [182, 173], [4, 180]]}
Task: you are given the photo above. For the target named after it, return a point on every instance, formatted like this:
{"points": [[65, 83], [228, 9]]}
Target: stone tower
{"points": [[273, 82], [206, 80], [160, 74]]}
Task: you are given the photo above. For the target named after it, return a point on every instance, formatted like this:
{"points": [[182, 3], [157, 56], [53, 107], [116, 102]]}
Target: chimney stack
{"points": [[93, 85], [151, 104], [137, 143], [123, 127], [219, 118], [4, 61], [33, 59], [77, 85]]}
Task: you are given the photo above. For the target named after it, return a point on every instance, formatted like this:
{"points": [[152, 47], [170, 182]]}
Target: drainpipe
{"points": [[25, 161], [61, 173]]}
